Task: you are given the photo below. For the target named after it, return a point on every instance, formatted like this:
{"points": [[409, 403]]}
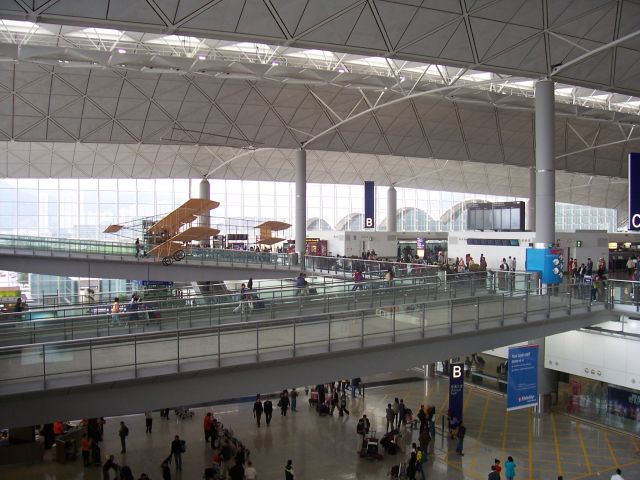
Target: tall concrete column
{"points": [[545, 163], [392, 208], [531, 204], [545, 212], [301, 203], [203, 220]]}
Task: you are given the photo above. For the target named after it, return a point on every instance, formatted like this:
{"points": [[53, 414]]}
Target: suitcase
{"points": [[324, 410], [373, 445]]}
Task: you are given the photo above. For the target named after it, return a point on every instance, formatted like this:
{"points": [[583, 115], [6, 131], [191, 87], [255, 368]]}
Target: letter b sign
{"points": [[368, 222], [457, 371]]}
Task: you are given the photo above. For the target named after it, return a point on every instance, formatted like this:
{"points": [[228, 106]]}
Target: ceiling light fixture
{"points": [[122, 50], [341, 70], [201, 57], [274, 64]]}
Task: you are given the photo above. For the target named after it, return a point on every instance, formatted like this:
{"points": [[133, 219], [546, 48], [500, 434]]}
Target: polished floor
{"points": [[325, 448]]}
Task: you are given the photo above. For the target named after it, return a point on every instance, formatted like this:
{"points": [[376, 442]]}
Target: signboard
{"points": [[522, 377], [420, 243], [369, 205], [634, 191], [456, 386], [623, 403]]}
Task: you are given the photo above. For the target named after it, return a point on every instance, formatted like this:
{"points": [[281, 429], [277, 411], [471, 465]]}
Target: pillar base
{"points": [[544, 404]]}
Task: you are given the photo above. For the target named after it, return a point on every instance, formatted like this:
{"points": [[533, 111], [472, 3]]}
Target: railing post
{"points": [[329, 339], [257, 341], [548, 302], [393, 317], [178, 349], [424, 318], [502, 319], [362, 330], [135, 356], [294, 337], [219, 354], [477, 313], [44, 367], [90, 361], [451, 317], [526, 306], [570, 294]]}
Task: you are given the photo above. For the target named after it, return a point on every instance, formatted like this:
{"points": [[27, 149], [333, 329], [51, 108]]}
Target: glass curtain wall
{"points": [[82, 208]]}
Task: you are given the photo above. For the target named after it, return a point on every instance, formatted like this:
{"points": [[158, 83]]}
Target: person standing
{"points": [[462, 431], [617, 475], [402, 410], [166, 471], [250, 472], [176, 451], [148, 420], [268, 411], [86, 450], [123, 433], [115, 312], [294, 399], [208, 426], [390, 416], [510, 468], [288, 471], [257, 410], [493, 475], [138, 247], [396, 412], [250, 284], [411, 467]]}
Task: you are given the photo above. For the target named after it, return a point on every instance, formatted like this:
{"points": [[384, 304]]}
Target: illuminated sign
{"points": [[634, 191]]}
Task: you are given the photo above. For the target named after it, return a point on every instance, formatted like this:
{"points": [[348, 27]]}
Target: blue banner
{"points": [[369, 205], [522, 377], [634, 191], [623, 403], [456, 387]]}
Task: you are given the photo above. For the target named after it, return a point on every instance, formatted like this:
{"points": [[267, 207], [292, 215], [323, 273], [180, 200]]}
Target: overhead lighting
{"points": [[274, 64], [341, 70], [202, 57], [402, 79], [122, 50]]}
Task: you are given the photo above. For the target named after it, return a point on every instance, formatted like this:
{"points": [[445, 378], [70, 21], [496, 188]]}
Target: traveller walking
{"points": [[411, 467], [284, 403], [493, 475], [497, 466], [462, 431], [424, 438], [148, 420], [617, 475], [134, 305], [268, 411], [343, 404], [257, 410], [421, 457], [177, 449], [402, 410], [115, 312], [396, 411], [510, 468], [123, 433], [166, 471], [109, 465], [293, 396], [250, 472], [138, 247], [288, 471]]}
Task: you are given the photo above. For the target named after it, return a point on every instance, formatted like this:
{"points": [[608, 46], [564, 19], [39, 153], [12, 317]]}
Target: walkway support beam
{"points": [[392, 208]]}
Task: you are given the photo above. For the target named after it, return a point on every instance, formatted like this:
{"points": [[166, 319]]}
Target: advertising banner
{"points": [[369, 205], [456, 386], [522, 377], [634, 191]]}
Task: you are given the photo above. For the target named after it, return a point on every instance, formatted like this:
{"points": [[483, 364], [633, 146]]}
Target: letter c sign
{"points": [[635, 221]]}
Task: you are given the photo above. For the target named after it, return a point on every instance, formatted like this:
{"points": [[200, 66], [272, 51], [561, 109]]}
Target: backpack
{"points": [[360, 427], [183, 446]]}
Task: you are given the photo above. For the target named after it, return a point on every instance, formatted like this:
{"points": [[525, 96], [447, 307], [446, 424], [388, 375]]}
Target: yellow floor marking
{"points": [[605, 470], [505, 428], [474, 454], [635, 444], [584, 448], [611, 452], [556, 445], [530, 444]]}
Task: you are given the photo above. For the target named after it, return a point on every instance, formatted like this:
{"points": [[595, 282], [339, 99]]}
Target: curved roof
{"points": [[590, 43]]}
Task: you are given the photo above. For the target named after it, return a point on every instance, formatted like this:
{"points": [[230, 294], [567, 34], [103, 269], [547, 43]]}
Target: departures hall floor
{"points": [[325, 447]]}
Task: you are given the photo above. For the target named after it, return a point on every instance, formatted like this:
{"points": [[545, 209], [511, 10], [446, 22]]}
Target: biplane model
{"points": [[267, 229], [170, 237]]}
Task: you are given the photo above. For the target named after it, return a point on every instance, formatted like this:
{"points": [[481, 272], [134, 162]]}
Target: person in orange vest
{"points": [[58, 428], [86, 449]]}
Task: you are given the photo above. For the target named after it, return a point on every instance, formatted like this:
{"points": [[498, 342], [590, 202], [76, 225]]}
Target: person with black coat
{"points": [[284, 403], [258, 409], [268, 411]]}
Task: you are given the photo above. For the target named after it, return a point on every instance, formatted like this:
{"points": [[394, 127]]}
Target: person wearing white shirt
{"points": [[250, 472], [617, 476]]}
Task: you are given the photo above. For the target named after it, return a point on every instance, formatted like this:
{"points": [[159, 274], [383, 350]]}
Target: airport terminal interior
{"points": [[319, 239]]}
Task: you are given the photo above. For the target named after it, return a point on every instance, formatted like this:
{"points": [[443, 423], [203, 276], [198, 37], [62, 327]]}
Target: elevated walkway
{"points": [[131, 373], [96, 259]]}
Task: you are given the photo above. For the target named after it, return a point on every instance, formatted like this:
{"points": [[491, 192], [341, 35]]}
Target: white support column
{"points": [[301, 204], [392, 208], [203, 221], [545, 212], [545, 163], [531, 204]]}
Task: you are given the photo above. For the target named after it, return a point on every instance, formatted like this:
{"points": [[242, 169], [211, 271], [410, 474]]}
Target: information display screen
{"points": [[502, 216]]}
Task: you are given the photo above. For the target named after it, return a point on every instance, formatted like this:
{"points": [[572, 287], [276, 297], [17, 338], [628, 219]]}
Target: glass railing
{"points": [[97, 321], [622, 295], [84, 361]]}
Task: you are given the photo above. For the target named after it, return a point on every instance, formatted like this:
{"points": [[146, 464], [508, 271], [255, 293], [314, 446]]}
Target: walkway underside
{"points": [[240, 367]]}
